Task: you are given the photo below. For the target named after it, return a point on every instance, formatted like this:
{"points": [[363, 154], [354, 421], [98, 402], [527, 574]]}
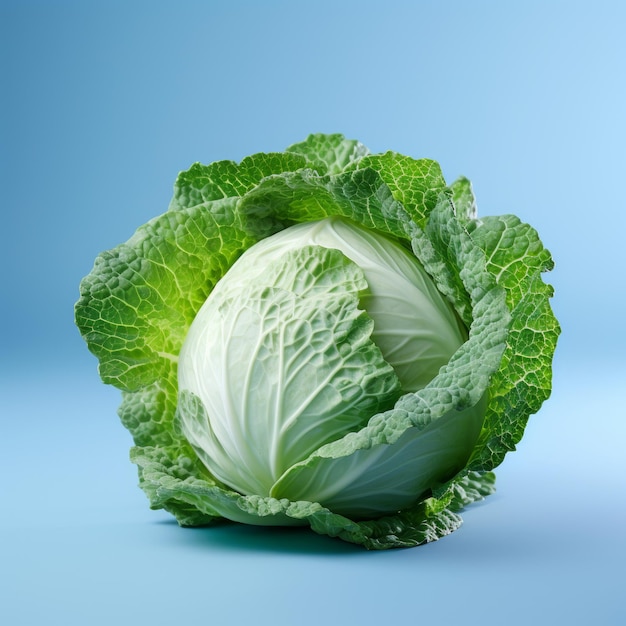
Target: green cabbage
{"points": [[324, 337]]}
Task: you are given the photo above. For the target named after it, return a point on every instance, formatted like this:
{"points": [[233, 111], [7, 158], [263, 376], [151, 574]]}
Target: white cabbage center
{"points": [[246, 434]]}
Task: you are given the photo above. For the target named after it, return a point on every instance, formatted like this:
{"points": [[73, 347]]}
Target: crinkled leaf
{"points": [[149, 413], [140, 299], [202, 184], [361, 196], [468, 488], [415, 183], [329, 154], [174, 482], [517, 258]]}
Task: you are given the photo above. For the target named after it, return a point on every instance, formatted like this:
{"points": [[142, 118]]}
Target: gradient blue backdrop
{"points": [[104, 102]]}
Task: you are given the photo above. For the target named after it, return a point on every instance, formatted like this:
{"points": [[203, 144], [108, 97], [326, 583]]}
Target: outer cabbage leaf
{"points": [[329, 154], [304, 196], [201, 184], [139, 301], [177, 485], [181, 486], [415, 183], [517, 258]]}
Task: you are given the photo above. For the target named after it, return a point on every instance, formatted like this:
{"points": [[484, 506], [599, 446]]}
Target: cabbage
{"points": [[323, 337]]}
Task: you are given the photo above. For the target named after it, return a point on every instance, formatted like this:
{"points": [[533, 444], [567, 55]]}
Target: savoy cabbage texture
{"points": [[395, 469]]}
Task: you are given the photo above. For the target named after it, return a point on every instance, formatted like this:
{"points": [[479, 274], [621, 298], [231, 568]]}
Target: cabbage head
{"points": [[323, 337]]}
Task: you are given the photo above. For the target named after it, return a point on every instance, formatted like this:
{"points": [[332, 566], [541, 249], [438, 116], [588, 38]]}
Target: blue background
{"points": [[102, 105]]}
